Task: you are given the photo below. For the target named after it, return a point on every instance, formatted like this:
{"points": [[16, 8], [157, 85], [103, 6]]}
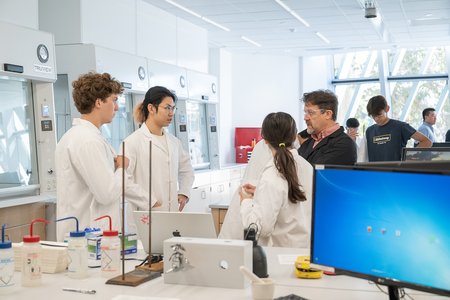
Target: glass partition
{"points": [[122, 124], [197, 134], [410, 79], [17, 147]]}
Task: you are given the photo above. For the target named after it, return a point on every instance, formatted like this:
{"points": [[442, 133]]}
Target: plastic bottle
{"points": [[6, 265], [31, 258], [110, 246], [78, 254]]}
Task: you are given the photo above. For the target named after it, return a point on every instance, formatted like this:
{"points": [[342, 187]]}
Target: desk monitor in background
{"points": [[441, 145], [435, 165], [381, 226], [169, 224], [425, 154]]}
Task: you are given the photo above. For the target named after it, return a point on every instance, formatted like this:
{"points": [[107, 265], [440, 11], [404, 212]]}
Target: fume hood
{"points": [[130, 70], [27, 127]]}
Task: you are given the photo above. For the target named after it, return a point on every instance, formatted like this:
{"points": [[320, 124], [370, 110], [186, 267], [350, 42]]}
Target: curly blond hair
{"points": [[92, 86]]}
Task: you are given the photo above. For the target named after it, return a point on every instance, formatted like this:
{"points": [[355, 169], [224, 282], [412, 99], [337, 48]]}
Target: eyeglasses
{"points": [[313, 112], [170, 108]]}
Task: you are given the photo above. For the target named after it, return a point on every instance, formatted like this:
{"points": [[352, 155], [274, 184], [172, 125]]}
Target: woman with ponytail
{"points": [[277, 203]]}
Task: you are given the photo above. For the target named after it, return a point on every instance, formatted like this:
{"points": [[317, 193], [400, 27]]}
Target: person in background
{"points": [[88, 172], [172, 172], [387, 137], [352, 127], [429, 119], [329, 144], [447, 136], [274, 204]]}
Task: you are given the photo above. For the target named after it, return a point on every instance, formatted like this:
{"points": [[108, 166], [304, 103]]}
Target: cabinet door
{"points": [[220, 193], [19, 218], [199, 201]]}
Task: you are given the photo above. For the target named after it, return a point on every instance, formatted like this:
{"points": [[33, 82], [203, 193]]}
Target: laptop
{"points": [[169, 224]]}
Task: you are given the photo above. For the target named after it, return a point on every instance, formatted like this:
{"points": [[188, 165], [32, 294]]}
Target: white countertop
{"points": [[328, 287]]}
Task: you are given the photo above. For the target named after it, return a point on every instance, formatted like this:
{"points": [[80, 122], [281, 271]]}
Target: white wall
{"points": [[131, 26], [156, 37], [64, 26], [263, 84], [315, 74], [192, 46], [109, 23], [20, 12]]}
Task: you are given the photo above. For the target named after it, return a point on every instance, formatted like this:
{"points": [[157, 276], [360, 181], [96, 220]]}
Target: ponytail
{"points": [[280, 131], [139, 113]]}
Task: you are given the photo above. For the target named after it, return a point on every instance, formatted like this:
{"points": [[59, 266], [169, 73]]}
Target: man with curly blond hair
{"points": [[88, 172]]}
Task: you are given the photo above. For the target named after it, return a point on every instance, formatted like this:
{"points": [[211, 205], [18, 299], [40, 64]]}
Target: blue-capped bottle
{"points": [[6, 265], [78, 253]]}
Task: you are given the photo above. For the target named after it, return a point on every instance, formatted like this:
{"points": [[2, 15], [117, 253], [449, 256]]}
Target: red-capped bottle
{"points": [[31, 258], [110, 247]]}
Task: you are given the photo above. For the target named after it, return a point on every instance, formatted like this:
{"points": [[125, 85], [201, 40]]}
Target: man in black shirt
{"points": [[329, 144], [387, 137]]}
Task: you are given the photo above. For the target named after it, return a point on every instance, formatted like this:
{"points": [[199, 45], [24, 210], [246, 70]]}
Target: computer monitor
{"points": [[425, 154], [441, 145], [167, 224], [391, 227], [435, 165]]}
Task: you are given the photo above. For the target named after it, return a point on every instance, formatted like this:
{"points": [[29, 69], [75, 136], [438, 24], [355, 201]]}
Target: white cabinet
{"points": [[199, 201], [214, 187], [220, 193]]}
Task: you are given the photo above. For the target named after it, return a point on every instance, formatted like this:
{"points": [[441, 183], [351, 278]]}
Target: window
{"points": [[416, 79], [17, 147]]}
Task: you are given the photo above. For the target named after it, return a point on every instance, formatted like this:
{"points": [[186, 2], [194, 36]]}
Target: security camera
{"points": [[370, 11]]}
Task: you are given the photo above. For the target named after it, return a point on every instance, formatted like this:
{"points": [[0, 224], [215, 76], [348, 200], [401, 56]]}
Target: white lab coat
{"points": [[87, 186], [232, 227], [281, 223], [172, 172]]}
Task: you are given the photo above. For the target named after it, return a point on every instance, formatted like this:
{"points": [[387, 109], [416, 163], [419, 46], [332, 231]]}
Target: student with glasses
{"points": [[329, 144], [172, 172], [387, 137]]}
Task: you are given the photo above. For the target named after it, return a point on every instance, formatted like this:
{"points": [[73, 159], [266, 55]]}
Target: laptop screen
{"points": [[169, 224]]}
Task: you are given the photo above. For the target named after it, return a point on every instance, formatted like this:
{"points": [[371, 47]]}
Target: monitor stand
{"points": [[394, 293]]}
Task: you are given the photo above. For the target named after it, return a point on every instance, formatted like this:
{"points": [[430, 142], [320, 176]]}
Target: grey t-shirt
{"points": [[385, 143]]}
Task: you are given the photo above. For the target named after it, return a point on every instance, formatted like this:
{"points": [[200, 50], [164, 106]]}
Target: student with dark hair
{"points": [[172, 172], [352, 128], [387, 137], [276, 203], [447, 136], [329, 144], [88, 172], [429, 119]]}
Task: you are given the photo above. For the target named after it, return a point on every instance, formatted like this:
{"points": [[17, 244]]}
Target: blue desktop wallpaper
{"points": [[386, 224]]}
